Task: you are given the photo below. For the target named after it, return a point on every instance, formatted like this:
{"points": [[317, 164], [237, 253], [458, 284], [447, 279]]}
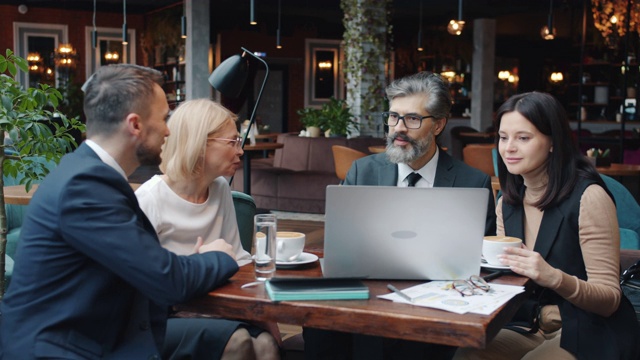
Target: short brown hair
{"points": [[114, 91]]}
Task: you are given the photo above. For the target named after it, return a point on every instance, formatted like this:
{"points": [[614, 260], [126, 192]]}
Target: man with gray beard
{"points": [[419, 106]]}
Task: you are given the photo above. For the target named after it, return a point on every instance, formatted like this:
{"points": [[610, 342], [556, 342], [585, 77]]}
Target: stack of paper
{"points": [[439, 295], [283, 289]]}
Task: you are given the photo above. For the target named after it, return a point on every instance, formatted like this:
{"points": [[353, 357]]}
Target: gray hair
{"points": [[433, 85], [115, 91]]}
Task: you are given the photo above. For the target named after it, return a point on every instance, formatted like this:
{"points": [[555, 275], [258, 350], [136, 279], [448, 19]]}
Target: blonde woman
{"points": [[192, 200]]}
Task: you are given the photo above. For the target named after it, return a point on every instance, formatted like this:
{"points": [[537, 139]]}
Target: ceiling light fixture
{"points": [[420, 48], [556, 77], [65, 56], [183, 22], [455, 26], [252, 17], [125, 35], [278, 44], [548, 32]]}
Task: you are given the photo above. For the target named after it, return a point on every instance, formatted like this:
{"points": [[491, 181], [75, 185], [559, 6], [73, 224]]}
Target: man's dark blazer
{"points": [[91, 280], [378, 170]]}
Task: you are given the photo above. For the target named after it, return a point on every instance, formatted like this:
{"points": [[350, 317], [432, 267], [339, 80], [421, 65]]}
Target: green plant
{"points": [[35, 133], [368, 44], [337, 117], [312, 117]]}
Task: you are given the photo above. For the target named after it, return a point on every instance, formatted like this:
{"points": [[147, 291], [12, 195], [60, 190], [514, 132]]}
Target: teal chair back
{"points": [[628, 212], [245, 210], [15, 214]]}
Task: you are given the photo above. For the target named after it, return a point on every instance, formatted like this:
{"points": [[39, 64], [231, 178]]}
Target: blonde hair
{"points": [[190, 125]]}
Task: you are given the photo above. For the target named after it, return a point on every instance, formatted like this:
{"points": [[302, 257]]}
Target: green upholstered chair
{"points": [[245, 210], [15, 214], [628, 212]]}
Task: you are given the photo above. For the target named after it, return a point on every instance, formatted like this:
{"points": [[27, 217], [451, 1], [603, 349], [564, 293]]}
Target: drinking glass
{"points": [[264, 245]]}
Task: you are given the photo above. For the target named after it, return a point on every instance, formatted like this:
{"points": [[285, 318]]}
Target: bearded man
{"points": [[419, 105]]}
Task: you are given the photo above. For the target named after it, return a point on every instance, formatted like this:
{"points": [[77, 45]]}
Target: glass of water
{"points": [[264, 245]]}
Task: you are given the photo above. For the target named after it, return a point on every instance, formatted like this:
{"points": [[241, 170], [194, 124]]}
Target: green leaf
{"points": [[12, 68], [22, 63]]}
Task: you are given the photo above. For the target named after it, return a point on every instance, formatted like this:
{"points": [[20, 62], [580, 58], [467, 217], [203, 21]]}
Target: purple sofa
{"points": [[295, 179]]}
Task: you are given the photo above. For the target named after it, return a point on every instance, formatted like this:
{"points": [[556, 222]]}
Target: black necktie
{"points": [[413, 178]]}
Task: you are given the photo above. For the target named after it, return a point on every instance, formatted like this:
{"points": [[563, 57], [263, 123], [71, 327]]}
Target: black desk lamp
{"points": [[229, 78]]}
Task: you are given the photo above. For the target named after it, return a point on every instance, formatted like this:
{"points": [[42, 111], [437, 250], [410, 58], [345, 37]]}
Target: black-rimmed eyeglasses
{"points": [[237, 142], [411, 121], [471, 287]]}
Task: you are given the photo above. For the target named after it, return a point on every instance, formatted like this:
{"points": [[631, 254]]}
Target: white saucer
{"points": [[499, 267], [304, 258]]}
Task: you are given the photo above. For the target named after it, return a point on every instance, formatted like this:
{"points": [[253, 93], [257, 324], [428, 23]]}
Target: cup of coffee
{"points": [[492, 246], [289, 245]]}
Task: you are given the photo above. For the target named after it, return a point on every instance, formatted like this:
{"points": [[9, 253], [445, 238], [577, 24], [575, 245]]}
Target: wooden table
{"points": [[261, 146], [374, 317], [620, 170], [627, 174], [267, 136], [17, 194]]}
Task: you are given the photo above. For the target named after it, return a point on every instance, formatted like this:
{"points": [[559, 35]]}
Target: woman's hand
{"points": [[217, 245], [525, 262]]}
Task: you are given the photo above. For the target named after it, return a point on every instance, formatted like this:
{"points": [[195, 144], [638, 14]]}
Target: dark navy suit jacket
{"points": [[378, 170], [91, 279]]}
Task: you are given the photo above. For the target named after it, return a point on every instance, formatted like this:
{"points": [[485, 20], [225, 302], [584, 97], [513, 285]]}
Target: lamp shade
{"points": [[230, 76]]}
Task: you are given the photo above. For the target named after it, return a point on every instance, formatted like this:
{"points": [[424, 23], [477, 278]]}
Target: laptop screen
{"points": [[388, 232]]}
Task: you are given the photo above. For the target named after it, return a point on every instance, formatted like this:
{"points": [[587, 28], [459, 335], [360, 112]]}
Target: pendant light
{"points": [[125, 34], [183, 27], [183, 22], [455, 26], [94, 32], [548, 32], [252, 17], [278, 44], [420, 48]]}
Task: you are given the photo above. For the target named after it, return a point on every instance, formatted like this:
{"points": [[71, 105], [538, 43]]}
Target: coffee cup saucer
{"points": [[304, 258], [498, 267]]}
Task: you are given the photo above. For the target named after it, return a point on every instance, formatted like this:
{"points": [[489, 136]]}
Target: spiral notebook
{"points": [[388, 232]]}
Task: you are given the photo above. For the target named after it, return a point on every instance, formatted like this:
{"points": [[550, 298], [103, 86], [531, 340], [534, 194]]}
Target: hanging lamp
{"points": [[278, 43], [455, 26], [125, 34], [548, 32], [94, 32], [420, 48]]}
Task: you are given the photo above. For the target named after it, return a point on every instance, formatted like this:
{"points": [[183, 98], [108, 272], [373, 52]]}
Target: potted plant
{"points": [[338, 118], [312, 120], [35, 134]]}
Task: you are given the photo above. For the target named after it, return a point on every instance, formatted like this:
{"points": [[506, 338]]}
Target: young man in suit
{"points": [[419, 106], [91, 280]]}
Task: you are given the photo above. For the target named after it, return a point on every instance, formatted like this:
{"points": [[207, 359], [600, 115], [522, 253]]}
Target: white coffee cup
{"points": [[289, 245], [492, 246]]}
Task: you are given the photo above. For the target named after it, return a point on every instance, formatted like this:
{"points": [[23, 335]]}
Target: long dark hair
{"points": [[565, 164]]}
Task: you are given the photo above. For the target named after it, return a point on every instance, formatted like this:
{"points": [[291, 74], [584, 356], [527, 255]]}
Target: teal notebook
{"points": [[285, 289]]}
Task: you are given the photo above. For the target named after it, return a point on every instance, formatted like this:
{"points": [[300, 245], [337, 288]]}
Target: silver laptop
{"points": [[387, 232]]}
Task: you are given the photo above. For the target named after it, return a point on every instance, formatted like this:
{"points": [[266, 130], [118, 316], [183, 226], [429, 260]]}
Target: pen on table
{"points": [[494, 275], [399, 292]]}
